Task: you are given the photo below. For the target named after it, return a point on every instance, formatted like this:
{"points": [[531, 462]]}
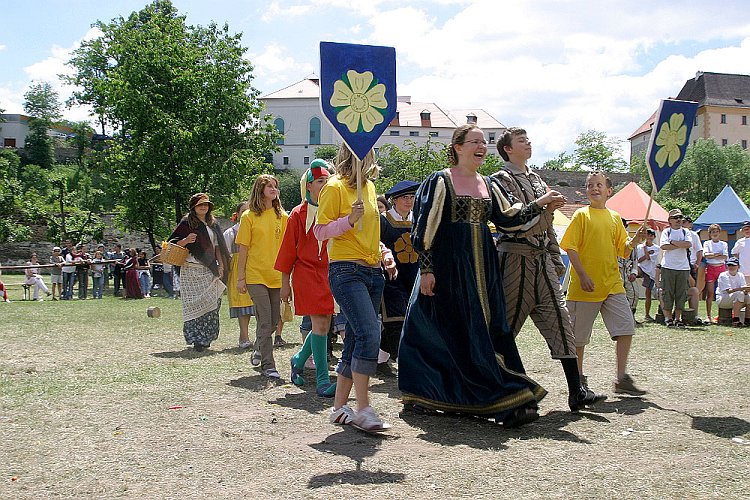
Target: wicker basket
{"points": [[173, 254]]}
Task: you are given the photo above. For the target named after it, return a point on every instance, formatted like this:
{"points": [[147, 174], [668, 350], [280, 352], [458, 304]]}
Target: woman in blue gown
{"points": [[457, 353]]}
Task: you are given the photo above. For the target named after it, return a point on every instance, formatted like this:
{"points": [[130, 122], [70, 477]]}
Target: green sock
{"points": [[301, 357], [320, 356]]}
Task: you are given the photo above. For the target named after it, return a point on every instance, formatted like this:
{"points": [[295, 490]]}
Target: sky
{"points": [[557, 68]]}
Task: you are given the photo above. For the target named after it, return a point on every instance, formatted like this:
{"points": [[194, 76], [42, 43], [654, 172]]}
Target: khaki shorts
{"points": [[616, 315]]}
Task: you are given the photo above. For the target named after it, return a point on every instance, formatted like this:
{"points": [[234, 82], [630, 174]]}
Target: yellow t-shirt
{"points": [[262, 235], [598, 236], [335, 201]]}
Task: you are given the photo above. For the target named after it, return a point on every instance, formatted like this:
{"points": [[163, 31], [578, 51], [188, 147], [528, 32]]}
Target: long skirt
{"points": [[201, 298], [132, 285]]}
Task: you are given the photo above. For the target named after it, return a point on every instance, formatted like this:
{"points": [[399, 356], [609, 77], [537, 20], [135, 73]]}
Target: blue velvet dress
{"points": [[457, 353]]}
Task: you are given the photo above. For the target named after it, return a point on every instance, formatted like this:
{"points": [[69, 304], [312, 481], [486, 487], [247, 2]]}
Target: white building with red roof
{"points": [[296, 112]]}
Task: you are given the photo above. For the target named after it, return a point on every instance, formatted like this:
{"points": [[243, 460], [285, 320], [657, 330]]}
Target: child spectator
{"points": [[733, 292], [33, 277], [97, 274], [675, 268], [81, 258], [716, 253], [647, 254], [68, 272], [741, 250], [594, 240], [144, 274], [56, 272]]}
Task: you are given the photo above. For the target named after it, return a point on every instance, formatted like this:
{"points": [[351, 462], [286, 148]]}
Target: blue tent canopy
{"points": [[727, 210]]}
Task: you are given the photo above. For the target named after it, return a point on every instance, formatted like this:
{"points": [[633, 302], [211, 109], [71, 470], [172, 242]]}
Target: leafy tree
{"points": [[563, 161], [414, 162], [42, 104], [595, 151], [189, 117], [92, 63], [326, 152], [12, 227]]}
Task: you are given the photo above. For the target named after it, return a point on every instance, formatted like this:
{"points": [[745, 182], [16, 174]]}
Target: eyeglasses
{"points": [[476, 141]]}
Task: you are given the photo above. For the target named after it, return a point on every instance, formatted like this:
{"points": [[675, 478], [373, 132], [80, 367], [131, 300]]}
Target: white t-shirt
{"points": [[742, 251], [697, 247], [726, 281], [648, 266], [69, 269], [675, 259], [715, 247]]}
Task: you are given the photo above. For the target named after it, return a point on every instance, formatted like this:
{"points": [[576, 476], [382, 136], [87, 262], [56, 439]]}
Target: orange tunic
{"points": [[301, 256]]}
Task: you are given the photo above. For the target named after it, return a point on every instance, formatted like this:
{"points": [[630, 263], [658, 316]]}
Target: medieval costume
{"points": [[395, 234], [457, 353]]}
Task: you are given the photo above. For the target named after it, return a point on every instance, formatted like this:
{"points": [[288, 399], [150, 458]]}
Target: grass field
{"points": [[86, 391]]}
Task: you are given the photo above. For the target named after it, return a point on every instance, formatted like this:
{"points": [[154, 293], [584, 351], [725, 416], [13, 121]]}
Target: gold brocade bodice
{"points": [[470, 210]]}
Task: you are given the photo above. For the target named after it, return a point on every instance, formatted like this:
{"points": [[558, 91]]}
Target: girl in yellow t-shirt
{"points": [[352, 228], [260, 234]]}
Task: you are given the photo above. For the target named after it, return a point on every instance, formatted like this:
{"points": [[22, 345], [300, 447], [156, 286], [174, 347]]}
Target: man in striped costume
{"points": [[531, 265]]}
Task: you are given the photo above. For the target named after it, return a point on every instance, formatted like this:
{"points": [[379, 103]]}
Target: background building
{"points": [[297, 115], [723, 109]]}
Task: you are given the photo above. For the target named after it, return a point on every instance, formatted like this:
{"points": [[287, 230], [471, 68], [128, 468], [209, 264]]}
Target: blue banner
{"points": [[358, 91], [670, 138]]}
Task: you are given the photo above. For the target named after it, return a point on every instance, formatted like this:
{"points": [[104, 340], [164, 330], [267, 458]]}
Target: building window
{"points": [[414, 133], [723, 118], [315, 130], [744, 119], [724, 142], [695, 121], [744, 143], [279, 123], [492, 137], [306, 160], [394, 132], [433, 134], [285, 160]]}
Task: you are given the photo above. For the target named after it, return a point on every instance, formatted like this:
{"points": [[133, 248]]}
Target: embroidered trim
{"points": [[425, 262], [436, 213]]}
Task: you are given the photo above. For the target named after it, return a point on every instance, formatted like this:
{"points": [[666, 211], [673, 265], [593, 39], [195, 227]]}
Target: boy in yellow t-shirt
{"points": [[594, 240]]}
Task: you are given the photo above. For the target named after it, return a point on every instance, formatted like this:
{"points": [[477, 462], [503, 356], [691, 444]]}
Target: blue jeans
{"points": [[145, 281], [98, 286], [68, 281], [166, 281], [358, 290]]}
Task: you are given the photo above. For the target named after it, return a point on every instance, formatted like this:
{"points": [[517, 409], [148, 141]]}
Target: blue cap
{"points": [[732, 261], [402, 188]]}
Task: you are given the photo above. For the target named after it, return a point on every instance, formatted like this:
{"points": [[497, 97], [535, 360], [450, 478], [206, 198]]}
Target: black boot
{"points": [[579, 395]]}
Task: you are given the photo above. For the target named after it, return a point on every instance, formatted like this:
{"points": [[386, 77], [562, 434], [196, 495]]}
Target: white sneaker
{"points": [[367, 420], [342, 416]]}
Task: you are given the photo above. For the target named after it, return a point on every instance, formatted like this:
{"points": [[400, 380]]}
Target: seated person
{"points": [[33, 277]]}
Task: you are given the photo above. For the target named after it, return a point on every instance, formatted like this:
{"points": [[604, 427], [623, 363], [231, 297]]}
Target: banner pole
{"points": [[359, 163]]}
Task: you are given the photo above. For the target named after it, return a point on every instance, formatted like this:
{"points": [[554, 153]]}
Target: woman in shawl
{"points": [[202, 273]]}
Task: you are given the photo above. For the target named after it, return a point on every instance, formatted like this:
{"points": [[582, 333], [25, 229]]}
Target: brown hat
{"points": [[675, 213], [200, 199]]}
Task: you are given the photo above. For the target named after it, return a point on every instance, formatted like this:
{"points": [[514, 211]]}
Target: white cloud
{"points": [[2, 47], [275, 10], [557, 71], [274, 65]]}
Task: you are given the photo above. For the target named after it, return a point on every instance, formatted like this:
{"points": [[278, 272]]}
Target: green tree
{"points": [[412, 162], [563, 161], [12, 227], [189, 117], [595, 151], [92, 64], [326, 152], [42, 104]]}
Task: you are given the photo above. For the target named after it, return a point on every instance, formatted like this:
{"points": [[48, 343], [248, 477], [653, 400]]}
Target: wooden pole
{"points": [[359, 163]]}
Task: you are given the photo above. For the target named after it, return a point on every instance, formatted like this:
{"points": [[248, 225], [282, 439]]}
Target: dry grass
{"points": [[87, 386]]}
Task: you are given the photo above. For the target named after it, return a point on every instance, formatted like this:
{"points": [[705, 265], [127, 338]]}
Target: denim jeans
{"points": [[145, 282], [98, 286], [166, 281], [68, 280], [358, 290]]}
